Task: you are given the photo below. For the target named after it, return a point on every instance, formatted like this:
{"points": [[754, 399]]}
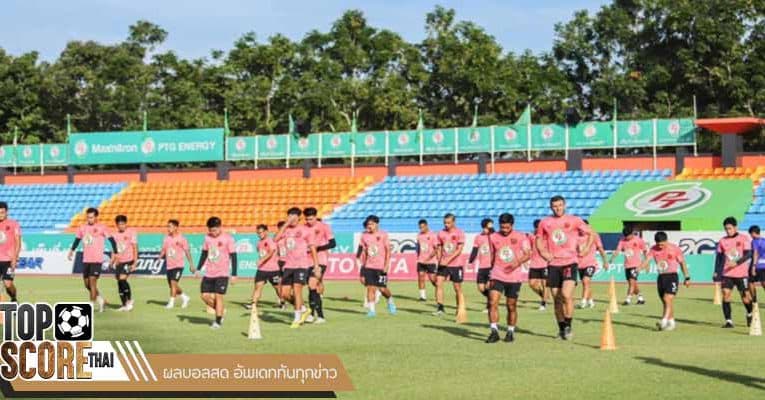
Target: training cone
{"points": [[755, 329], [717, 299], [607, 339], [613, 306], [254, 331], [461, 310]]}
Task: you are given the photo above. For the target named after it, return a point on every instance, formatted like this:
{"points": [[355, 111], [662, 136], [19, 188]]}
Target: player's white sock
{"points": [[591, 302], [422, 294], [297, 315], [171, 302], [663, 322], [377, 296], [372, 307], [511, 329], [493, 326]]}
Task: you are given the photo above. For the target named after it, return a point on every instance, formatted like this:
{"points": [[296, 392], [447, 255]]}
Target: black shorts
{"points": [[630, 273], [483, 275], [295, 276], [454, 274], [272, 277], [510, 289], [667, 284], [123, 268], [5, 271], [429, 268], [91, 269], [214, 285], [588, 272], [538, 273], [557, 275], [323, 270], [759, 275], [375, 277], [174, 274], [738, 283]]}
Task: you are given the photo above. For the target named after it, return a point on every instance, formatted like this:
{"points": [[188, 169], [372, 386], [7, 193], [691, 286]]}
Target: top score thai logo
{"points": [[240, 144], [438, 137], [369, 140], [669, 199], [403, 139], [148, 145], [674, 128], [80, 148], [633, 129], [590, 131], [511, 135], [73, 321]]}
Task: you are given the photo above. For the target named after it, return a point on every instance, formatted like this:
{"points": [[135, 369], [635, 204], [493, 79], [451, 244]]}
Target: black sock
{"points": [[440, 307], [218, 320], [561, 325], [726, 310], [567, 321], [121, 291], [543, 303], [128, 292], [319, 307], [749, 308], [312, 295]]}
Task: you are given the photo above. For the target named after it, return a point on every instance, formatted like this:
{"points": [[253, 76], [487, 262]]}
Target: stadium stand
{"points": [[755, 174], [48, 207], [237, 203], [401, 201], [756, 213]]}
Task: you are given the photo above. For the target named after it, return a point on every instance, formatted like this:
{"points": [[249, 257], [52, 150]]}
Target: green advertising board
{"points": [[190, 145], [240, 148], [511, 138], [7, 156], [548, 137], [28, 155], [370, 144], [634, 133], [674, 132], [697, 205], [438, 141], [404, 143], [272, 147], [55, 154], [474, 140], [336, 145], [304, 146], [591, 135]]}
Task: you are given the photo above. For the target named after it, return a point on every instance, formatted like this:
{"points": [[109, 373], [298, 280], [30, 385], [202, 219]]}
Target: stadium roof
{"points": [[730, 125]]}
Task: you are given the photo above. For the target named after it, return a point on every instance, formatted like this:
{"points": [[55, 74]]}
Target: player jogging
{"points": [[558, 241], [92, 235], [537, 270], [588, 264], [667, 257], [451, 240], [509, 250], [301, 256], [127, 257], [482, 252], [634, 250], [325, 241], [268, 265], [174, 248], [427, 241], [734, 251], [218, 253], [375, 257], [10, 247], [757, 270]]}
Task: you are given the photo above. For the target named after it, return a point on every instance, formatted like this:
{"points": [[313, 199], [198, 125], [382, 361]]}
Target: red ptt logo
{"points": [[669, 198]]}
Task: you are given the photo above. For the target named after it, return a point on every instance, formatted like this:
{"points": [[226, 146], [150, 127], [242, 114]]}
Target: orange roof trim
{"points": [[730, 126]]}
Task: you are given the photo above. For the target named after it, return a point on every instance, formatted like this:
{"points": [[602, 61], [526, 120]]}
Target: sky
{"points": [[195, 27]]}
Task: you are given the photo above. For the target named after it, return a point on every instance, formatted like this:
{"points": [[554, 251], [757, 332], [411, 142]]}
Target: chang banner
{"points": [[404, 143], [438, 141], [548, 137], [28, 155], [474, 140], [591, 135], [55, 154], [240, 148], [304, 146], [272, 147], [370, 144], [675, 132], [336, 145], [510, 138]]}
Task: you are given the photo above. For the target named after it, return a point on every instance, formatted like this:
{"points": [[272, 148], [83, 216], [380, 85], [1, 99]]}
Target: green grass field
{"points": [[416, 355]]}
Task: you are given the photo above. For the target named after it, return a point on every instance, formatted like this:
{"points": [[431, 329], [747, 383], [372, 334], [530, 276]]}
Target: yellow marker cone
{"points": [[607, 339], [717, 299], [755, 329], [254, 331], [613, 305], [461, 310]]}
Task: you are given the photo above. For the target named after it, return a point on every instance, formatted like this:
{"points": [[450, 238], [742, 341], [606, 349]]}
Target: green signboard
{"points": [[697, 205], [28, 155], [438, 141], [474, 140], [404, 143], [240, 148], [304, 146], [370, 144], [6, 156], [634, 133], [548, 137], [55, 154], [190, 145], [336, 145], [510, 138], [591, 135], [674, 132], [272, 147]]}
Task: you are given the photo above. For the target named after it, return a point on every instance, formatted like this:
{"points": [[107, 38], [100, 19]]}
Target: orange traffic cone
{"points": [[613, 305], [461, 310], [607, 339], [717, 299]]}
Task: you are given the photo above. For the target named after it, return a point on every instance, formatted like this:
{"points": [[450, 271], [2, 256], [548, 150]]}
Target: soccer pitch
{"points": [[416, 355]]}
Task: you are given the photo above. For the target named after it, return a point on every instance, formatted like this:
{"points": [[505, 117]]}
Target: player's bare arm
{"points": [[686, 274], [387, 259]]}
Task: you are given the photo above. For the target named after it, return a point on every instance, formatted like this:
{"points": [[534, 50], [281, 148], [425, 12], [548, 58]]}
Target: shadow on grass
{"points": [[615, 322], [456, 331], [346, 311], [683, 321], [195, 320], [746, 380], [156, 303]]}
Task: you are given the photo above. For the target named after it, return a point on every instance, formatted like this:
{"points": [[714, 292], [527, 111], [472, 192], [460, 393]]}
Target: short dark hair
{"points": [[557, 197], [261, 226], [3, 205], [120, 218], [586, 221], [536, 223], [371, 218], [754, 229], [730, 221], [422, 221], [92, 210], [174, 222], [449, 215], [506, 218], [485, 222], [294, 211], [310, 211], [280, 224], [214, 222], [660, 236], [627, 231]]}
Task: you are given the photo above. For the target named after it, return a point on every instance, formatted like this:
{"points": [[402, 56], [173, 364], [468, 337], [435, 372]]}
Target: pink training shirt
{"points": [[536, 261], [632, 249], [9, 230], [668, 259], [266, 246], [373, 245], [93, 238], [449, 240], [427, 243], [733, 248], [126, 242], [175, 248], [297, 241], [589, 259], [508, 249], [322, 234], [561, 235], [219, 251], [481, 242]]}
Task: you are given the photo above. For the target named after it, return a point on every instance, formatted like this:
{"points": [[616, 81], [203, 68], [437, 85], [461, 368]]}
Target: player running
{"points": [[558, 241], [281, 261], [174, 248], [482, 252], [268, 265], [757, 269], [325, 241], [509, 250], [374, 247], [301, 256], [93, 236], [588, 265], [10, 247], [634, 250], [218, 253], [427, 241], [734, 251], [667, 257], [127, 259], [451, 240], [537, 270]]}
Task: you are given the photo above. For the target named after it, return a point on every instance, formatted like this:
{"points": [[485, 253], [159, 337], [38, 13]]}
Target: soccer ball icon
{"points": [[73, 321]]}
